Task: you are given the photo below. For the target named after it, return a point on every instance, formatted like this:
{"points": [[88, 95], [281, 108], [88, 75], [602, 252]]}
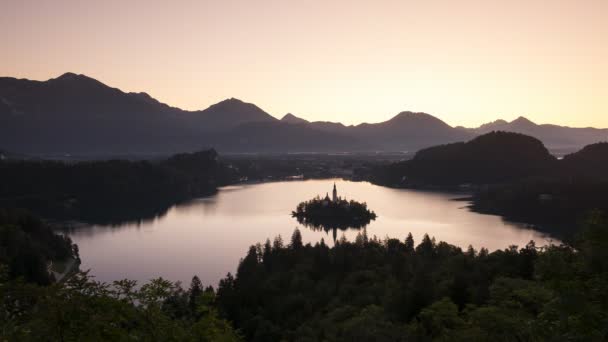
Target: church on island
{"points": [[334, 197], [333, 212]]}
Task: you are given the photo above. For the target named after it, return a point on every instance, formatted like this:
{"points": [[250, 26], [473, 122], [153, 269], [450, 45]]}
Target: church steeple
{"points": [[335, 194]]}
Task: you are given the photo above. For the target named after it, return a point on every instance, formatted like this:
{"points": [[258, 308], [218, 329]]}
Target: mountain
{"points": [[229, 114], [76, 114], [496, 157], [555, 137], [409, 131], [292, 119], [263, 137]]}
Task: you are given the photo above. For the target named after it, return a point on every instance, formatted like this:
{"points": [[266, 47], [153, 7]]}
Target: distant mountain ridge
{"points": [[553, 136], [292, 119], [77, 114]]}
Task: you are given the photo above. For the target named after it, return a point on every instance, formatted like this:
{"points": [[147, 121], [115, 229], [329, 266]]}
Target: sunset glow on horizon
{"points": [[466, 62]]}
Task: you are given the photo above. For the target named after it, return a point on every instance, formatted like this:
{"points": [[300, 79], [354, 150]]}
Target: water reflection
{"points": [[328, 227], [208, 236]]}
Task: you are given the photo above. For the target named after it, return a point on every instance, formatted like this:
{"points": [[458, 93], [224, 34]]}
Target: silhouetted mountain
{"points": [[79, 115], [285, 137], [409, 131], [553, 136], [492, 126], [406, 131], [74, 113], [229, 114], [496, 157], [292, 119]]}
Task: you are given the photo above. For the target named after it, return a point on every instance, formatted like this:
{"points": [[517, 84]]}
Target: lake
{"points": [[208, 236]]}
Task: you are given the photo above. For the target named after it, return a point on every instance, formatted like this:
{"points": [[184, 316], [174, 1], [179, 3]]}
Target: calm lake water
{"points": [[208, 236]]}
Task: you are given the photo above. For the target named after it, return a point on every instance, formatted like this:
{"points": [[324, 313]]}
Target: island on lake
{"points": [[333, 213]]}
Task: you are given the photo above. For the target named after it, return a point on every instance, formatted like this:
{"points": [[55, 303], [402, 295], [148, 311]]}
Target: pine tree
{"points": [[427, 246], [296, 239], [409, 243], [277, 244], [196, 289]]}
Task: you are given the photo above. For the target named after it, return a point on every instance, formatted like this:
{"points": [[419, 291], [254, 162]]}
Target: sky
{"points": [[467, 62]]}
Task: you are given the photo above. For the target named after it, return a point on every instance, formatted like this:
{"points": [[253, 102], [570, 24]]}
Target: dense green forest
{"points": [[362, 290], [392, 290], [110, 191]]}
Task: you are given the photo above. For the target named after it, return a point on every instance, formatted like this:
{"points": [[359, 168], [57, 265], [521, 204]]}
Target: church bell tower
{"points": [[334, 194]]}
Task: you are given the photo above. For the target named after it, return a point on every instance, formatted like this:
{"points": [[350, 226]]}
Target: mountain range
{"points": [[79, 115]]}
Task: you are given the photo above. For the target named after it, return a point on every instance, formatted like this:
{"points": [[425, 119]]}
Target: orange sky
{"points": [[466, 62]]}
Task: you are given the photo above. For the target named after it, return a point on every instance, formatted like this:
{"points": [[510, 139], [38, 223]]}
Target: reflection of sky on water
{"points": [[208, 236]]}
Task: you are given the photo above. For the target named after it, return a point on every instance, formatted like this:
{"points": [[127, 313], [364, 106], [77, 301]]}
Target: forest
{"points": [[362, 290], [126, 190], [395, 290]]}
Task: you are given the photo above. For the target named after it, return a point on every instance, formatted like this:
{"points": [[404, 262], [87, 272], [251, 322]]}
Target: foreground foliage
{"points": [[85, 310], [34, 307], [394, 291], [365, 290]]}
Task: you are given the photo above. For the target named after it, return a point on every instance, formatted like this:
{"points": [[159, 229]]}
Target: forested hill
{"points": [[590, 162], [110, 191], [496, 157]]}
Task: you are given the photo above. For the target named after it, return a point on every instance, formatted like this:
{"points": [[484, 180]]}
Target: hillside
{"points": [[590, 162], [496, 157]]}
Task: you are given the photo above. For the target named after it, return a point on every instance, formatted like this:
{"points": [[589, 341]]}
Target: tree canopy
{"points": [[372, 290]]}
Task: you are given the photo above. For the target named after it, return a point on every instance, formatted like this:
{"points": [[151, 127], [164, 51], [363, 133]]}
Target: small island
{"points": [[334, 213]]}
